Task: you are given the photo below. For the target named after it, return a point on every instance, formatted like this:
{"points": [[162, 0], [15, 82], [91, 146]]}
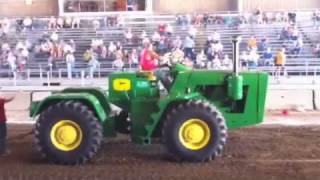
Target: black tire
{"points": [[78, 113], [203, 111]]}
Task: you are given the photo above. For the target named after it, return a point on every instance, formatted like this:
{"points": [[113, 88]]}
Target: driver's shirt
{"points": [[148, 60]]}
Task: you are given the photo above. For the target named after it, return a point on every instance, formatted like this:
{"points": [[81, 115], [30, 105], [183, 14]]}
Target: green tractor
{"points": [[191, 114]]}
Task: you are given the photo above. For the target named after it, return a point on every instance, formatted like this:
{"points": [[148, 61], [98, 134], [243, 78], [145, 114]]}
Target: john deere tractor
{"points": [[189, 110]]}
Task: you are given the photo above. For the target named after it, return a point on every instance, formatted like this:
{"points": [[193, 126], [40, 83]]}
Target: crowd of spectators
{"points": [[165, 41]]}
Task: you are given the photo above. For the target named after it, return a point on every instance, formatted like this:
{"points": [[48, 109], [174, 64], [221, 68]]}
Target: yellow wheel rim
{"points": [[194, 134], [66, 135]]}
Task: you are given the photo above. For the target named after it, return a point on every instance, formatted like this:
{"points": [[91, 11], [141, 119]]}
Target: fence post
{"points": [[82, 78], [60, 74], [50, 71], [28, 74], [14, 78], [41, 77], [99, 71], [307, 67], [48, 78]]}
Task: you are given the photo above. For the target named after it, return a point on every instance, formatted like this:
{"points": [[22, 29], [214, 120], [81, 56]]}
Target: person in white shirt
{"points": [[96, 24], [5, 26], [216, 63], [75, 23], [128, 35], [60, 22], [54, 37], [52, 23], [201, 59], [244, 59], [253, 59], [192, 31], [70, 60], [156, 37], [12, 60], [215, 36], [27, 23], [226, 62], [169, 30]]}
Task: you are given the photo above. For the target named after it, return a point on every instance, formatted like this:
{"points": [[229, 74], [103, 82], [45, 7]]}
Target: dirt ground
{"points": [[264, 152]]}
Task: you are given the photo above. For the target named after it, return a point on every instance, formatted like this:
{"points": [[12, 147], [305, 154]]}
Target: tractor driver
{"points": [[149, 62]]}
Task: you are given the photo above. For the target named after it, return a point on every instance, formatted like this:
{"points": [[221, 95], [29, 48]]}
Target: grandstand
{"points": [[305, 63]]}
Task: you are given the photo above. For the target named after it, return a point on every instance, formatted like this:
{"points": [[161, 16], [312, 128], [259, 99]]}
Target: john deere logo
{"points": [[121, 84]]}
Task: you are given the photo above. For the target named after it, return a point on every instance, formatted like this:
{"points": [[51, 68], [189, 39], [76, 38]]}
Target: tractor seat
{"points": [[147, 74]]}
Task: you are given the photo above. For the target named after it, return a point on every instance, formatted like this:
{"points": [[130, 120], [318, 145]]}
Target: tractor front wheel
{"points": [[68, 133], [194, 131]]}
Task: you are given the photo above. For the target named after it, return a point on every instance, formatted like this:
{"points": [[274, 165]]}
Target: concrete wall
{"points": [[274, 5], [37, 8], [190, 6], [290, 100]]}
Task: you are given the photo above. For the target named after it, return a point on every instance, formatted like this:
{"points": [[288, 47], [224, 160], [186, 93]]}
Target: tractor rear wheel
{"points": [[68, 133], [194, 131]]}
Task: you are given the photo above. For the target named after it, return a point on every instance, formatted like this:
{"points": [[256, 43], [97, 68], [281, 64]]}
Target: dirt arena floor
{"points": [[257, 153]]}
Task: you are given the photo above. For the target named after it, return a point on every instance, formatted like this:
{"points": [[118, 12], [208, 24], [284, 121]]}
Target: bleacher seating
{"points": [[83, 36]]}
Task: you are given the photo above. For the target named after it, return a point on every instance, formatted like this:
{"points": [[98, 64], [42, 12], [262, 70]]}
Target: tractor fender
{"points": [[86, 98]]}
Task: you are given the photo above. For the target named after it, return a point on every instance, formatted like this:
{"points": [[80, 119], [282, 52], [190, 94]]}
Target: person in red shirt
{"points": [[148, 58], [3, 123]]}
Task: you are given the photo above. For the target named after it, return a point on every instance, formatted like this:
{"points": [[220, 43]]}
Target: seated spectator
{"points": [[179, 19], [215, 37], [112, 49], [215, 63], [292, 17], [263, 44], [169, 30], [177, 56], [60, 23], [96, 24], [297, 46], [162, 29], [118, 62], [253, 59], [316, 50], [92, 65], [280, 62], [267, 58], [177, 43], [68, 22], [216, 49], [27, 23], [119, 46], [201, 59], [88, 55], [252, 43], [156, 38], [192, 32], [226, 63], [162, 47], [295, 33], [75, 23], [54, 36], [285, 35], [188, 46], [244, 59], [52, 24], [143, 35], [134, 58], [128, 35], [5, 26]]}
